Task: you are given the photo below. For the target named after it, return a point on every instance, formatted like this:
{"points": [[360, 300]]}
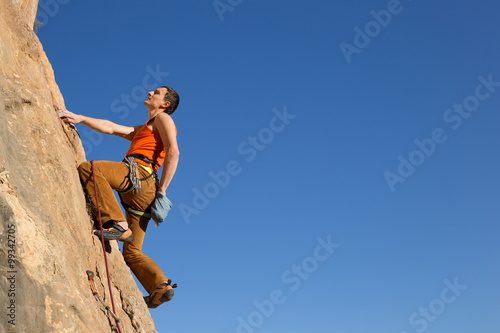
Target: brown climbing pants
{"points": [[115, 176]]}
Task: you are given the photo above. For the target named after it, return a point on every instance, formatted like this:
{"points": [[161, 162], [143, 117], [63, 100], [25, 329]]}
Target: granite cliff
{"points": [[46, 236]]}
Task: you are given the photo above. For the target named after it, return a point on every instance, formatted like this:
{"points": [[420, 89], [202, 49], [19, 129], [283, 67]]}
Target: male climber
{"points": [[135, 179]]}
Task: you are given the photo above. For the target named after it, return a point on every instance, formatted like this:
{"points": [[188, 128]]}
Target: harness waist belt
{"points": [[142, 158]]}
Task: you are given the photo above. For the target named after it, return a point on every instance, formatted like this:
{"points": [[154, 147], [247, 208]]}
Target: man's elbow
{"points": [[173, 153]]}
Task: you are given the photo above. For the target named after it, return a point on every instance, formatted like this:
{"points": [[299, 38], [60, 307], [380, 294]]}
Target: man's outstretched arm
{"points": [[164, 124], [99, 125]]}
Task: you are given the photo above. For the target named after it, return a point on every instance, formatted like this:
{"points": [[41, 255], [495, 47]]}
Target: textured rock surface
{"points": [[27, 9], [42, 205]]}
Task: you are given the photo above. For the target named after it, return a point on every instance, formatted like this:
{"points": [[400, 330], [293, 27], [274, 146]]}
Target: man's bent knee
{"points": [[83, 168]]}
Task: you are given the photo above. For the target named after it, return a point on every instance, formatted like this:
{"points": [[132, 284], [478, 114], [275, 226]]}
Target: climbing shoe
{"points": [[160, 295], [115, 232]]}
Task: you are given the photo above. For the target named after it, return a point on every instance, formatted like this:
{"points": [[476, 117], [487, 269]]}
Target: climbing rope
{"points": [[103, 246]]}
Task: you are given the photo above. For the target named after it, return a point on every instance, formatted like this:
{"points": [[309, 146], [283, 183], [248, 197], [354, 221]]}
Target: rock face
{"points": [[46, 240], [27, 9]]}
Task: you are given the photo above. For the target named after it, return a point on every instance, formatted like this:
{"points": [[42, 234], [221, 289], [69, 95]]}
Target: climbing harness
{"points": [[131, 162], [133, 166], [104, 247]]}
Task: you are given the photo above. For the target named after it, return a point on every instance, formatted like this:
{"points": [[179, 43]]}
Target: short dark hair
{"points": [[172, 97]]}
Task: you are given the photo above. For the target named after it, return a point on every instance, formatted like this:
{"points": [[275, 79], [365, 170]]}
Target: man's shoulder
{"points": [[164, 116], [165, 119]]}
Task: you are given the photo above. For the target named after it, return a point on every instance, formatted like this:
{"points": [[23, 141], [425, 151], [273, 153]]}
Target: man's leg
{"points": [[109, 176], [144, 268]]}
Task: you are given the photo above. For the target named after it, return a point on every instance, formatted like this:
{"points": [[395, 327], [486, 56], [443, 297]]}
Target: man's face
{"points": [[155, 99]]}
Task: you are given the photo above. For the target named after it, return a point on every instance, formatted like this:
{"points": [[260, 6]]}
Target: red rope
{"points": [[103, 245]]}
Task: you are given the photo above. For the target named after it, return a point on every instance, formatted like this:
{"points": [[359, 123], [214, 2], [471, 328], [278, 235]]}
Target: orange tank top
{"points": [[149, 144]]}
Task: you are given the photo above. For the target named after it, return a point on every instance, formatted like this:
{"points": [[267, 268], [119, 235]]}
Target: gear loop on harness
{"points": [[133, 166], [134, 172], [130, 161]]}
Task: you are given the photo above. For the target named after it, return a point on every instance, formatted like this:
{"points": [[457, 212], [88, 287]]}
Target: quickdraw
{"points": [[90, 274]]}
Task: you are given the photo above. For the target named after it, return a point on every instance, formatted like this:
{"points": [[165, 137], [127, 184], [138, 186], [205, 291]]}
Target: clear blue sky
{"points": [[368, 126]]}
